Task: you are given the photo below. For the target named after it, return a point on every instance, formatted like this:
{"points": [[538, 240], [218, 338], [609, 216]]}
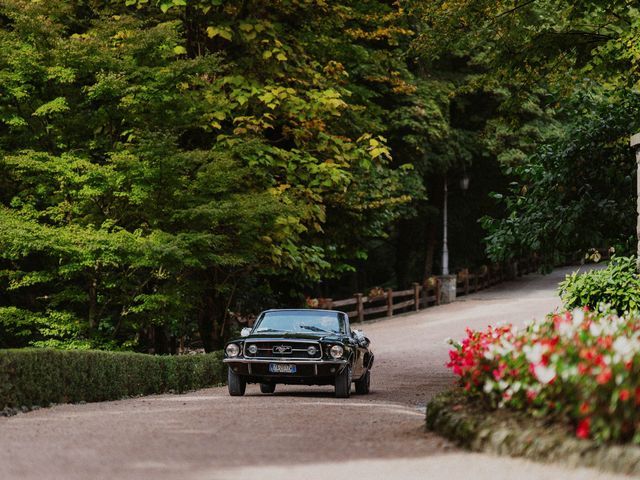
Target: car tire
{"points": [[364, 384], [343, 383], [236, 384], [267, 387]]}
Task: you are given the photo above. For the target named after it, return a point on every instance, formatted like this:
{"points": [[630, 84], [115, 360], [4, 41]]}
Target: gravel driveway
{"points": [[300, 431]]}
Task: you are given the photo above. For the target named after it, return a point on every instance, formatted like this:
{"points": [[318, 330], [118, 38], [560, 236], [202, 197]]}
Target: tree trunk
{"points": [[431, 241], [161, 342], [206, 324], [210, 322], [93, 302], [638, 204], [434, 224]]}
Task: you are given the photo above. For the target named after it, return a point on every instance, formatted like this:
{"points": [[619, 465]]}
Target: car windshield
{"points": [[301, 322]]}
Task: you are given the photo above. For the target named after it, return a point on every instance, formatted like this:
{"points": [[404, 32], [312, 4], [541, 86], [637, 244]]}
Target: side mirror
{"points": [[245, 332], [361, 339]]}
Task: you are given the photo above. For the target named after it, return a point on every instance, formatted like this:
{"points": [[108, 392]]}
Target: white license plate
{"points": [[282, 368]]}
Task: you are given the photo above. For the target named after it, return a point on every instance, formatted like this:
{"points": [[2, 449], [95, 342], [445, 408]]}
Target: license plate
{"points": [[282, 368]]}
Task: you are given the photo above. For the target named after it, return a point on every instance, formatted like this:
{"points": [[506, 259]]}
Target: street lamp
{"points": [[635, 144], [464, 185]]}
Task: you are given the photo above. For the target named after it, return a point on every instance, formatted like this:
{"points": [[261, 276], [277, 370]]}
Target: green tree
{"points": [[155, 159]]}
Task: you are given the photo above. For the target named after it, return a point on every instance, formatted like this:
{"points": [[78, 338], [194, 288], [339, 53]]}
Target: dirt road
{"points": [[300, 431]]}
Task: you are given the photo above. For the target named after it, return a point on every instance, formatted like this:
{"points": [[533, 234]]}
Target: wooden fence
{"points": [[387, 302], [491, 275]]}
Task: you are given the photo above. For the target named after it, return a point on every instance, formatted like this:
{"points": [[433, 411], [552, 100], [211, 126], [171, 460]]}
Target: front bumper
{"points": [[259, 368]]}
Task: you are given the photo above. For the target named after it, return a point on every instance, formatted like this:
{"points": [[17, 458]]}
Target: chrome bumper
{"points": [[320, 367], [280, 360]]}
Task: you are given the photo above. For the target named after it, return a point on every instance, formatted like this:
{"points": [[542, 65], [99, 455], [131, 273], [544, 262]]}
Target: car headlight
{"points": [[336, 351], [252, 349], [312, 351], [232, 350]]}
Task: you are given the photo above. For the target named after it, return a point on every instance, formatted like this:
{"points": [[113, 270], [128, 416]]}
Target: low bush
{"points": [[618, 285], [40, 377], [580, 367]]}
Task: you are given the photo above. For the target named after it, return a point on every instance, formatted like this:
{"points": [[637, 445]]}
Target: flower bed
{"points": [[579, 367]]}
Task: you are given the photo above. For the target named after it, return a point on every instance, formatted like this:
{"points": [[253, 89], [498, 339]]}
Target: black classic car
{"points": [[307, 347]]}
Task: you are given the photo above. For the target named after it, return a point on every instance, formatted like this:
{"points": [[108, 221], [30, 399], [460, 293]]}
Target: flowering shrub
{"points": [[581, 367]]}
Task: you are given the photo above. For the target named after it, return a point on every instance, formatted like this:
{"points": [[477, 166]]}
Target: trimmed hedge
{"points": [[40, 377]]}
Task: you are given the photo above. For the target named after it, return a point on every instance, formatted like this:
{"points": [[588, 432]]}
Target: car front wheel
{"points": [[237, 385], [363, 385], [267, 387], [343, 383]]}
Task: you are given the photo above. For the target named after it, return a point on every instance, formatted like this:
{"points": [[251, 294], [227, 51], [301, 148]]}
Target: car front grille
{"points": [[284, 350]]}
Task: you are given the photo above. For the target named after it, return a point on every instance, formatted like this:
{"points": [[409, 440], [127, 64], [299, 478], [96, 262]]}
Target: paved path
{"points": [[300, 431]]}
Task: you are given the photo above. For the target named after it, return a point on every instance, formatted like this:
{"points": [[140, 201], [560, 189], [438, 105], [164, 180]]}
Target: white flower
{"points": [[623, 347], [565, 329], [534, 353], [488, 386], [595, 329], [544, 374], [578, 317]]}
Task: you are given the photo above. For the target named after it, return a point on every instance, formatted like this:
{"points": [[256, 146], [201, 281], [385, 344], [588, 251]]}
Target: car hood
{"points": [[321, 337]]}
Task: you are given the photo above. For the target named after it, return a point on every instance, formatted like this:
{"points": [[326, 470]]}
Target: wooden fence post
{"points": [[425, 293], [325, 303], [389, 302], [416, 296], [359, 307]]}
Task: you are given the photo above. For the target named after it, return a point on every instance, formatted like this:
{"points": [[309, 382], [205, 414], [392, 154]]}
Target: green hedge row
{"points": [[40, 377]]}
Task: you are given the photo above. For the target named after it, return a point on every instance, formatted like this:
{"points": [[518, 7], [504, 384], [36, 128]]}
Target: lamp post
{"points": [[448, 290], [445, 245], [464, 185], [635, 144]]}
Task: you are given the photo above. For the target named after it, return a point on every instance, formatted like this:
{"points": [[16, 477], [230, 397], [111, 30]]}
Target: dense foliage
{"points": [[577, 63], [576, 193], [165, 165], [580, 368], [617, 286], [39, 377], [155, 160]]}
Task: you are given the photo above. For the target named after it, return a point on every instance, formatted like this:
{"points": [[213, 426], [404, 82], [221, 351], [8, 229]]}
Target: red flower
{"points": [[582, 368], [584, 408], [624, 395], [604, 376], [583, 428], [605, 342]]}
